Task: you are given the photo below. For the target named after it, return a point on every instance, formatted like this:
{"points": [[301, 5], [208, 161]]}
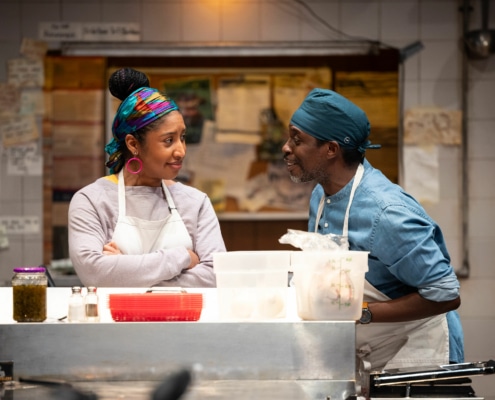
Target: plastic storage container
{"points": [[29, 294], [329, 285], [252, 285]]}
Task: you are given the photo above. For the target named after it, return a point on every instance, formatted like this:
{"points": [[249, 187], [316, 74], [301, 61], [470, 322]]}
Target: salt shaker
{"points": [[91, 305], [77, 312]]}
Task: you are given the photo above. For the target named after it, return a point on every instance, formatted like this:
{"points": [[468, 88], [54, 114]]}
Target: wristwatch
{"points": [[366, 315]]}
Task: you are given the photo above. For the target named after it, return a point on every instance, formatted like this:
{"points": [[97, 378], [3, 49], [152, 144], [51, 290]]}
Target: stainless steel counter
{"points": [[198, 390], [286, 360]]}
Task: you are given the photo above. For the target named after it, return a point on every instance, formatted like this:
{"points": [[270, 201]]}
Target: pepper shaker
{"points": [[91, 305]]}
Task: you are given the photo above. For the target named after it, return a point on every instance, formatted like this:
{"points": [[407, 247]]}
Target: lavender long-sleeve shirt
{"points": [[93, 214]]}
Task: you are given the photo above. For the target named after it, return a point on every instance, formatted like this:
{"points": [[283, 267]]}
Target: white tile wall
{"points": [[361, 19], [440, 93], [240, 21], [481, 99], [279, 22], [437, 19], [431, 77], [81, 12], [121, 12], [200, 21], [480, 145], [10, 28], [440, 60], [35, 12], [166, 28], [316, 30], [399, 21]]}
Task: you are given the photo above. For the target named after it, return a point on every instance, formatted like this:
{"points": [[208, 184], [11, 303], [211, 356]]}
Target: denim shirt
{"points": [[407, 251]]}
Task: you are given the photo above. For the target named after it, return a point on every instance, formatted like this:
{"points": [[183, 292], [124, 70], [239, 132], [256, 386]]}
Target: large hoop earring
{"points": [[131, 160]]}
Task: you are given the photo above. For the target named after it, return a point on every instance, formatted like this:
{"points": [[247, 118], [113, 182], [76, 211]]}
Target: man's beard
{"points": [[317, 175]]}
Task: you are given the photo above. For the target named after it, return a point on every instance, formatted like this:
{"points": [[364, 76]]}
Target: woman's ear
{"points": [[131, 143]]}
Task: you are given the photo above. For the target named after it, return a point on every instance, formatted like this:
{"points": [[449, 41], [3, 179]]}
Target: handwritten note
{"points": [[240, 103], [24, 160], [24, 72], [20, 224], [32, 102], [10, 99], [33, 49], [18, 130], [432, 126]]}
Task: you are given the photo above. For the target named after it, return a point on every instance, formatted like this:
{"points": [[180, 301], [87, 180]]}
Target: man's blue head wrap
{"points": [[326, 115]]}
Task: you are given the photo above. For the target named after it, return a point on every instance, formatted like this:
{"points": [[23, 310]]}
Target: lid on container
{"points": [[30, 269]]}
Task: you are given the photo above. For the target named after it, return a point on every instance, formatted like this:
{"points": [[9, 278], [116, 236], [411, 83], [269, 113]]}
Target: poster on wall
{"points": [[193, 97]]}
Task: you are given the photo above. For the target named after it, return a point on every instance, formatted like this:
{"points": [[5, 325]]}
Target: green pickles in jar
{"points": [[29, 294]]}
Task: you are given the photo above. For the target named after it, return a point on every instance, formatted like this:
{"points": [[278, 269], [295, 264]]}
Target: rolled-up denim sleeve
{"points": [[444, 289]]}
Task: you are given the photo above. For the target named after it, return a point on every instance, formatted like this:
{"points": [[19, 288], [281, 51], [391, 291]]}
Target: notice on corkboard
{"points": [[427, 126]]}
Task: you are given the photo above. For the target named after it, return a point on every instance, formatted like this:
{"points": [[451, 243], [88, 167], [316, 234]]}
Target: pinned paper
{"points": [[425, 126], [240, 103], [24, 72], [226, 162], [90, 31], [32, 102], [10, 99], [19, 225], [33, 49], [24, 160], [422, 173], [18, 130]]}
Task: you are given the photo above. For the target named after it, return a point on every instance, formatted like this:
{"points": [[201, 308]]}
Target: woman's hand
{"points": [[194, 259], [111, 249]]}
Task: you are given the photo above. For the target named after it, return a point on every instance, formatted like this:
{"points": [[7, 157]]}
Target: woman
{"points": [[137, 227]]}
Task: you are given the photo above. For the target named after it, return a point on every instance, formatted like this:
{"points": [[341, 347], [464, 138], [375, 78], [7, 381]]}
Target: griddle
{"points": [[444, 381]]}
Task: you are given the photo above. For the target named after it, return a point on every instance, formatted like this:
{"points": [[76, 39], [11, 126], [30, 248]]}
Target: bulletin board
{"points": [[234, 147], [245, 105]]}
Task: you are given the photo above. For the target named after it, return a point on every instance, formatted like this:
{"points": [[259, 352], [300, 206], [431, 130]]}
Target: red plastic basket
{"points": [[155, 306]]}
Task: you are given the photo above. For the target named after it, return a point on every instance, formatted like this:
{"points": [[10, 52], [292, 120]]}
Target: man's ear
{"points": [[332, 149]]}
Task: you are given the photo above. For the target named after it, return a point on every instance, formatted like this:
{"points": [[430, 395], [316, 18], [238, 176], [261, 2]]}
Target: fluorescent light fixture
{"points": [[219, 49]]}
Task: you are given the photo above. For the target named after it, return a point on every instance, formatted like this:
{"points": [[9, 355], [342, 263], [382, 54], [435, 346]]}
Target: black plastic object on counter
{"points": [[173, 387]]}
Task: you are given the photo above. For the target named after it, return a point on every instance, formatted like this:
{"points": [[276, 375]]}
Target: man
{"points": [[411, 288]]}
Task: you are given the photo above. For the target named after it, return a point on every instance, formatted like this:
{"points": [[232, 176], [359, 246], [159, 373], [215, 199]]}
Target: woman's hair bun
{"points": [[124, 81]]}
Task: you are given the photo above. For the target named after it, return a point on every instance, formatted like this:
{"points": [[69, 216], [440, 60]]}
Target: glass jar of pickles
{"points": [[29, 294]]}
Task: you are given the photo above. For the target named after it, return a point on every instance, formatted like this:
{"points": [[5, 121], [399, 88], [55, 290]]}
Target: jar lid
{"points": [[30, 269]]}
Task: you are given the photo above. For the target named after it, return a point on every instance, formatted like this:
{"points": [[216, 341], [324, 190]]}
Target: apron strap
{"points": [[355, 184], [121, 193], [357, 180], [168, 196]]}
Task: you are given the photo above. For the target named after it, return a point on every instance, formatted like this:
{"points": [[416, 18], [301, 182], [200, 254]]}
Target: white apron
{"points": [[137, 236], [393, 345]]}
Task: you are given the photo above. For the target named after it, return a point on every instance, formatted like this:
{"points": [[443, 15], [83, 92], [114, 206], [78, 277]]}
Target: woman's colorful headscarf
{"points": [[140, 108]]}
